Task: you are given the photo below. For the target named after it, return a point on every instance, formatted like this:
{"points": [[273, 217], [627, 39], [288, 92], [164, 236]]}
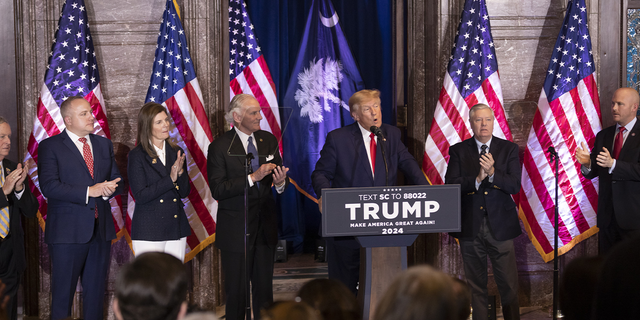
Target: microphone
{"points": [[249, 158], [552, 153], [380, 136], [377, 132]]}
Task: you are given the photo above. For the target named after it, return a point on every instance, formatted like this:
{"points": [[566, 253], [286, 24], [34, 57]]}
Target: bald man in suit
{"points": [[615, 159], [78, 174]]}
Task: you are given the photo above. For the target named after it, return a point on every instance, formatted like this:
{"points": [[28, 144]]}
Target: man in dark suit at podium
{"points": [[352, 157], [614, 159], [487, 169]]}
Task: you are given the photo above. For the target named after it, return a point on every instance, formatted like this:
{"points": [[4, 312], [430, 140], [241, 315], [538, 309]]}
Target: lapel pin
{"points": [[154, 161], [633, 134], [8, 170], [260, 140]]}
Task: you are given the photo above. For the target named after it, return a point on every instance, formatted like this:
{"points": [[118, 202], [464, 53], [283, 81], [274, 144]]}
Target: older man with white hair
{"points": [[227, 180], [487, 169]]}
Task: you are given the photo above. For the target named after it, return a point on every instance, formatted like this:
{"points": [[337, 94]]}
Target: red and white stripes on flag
{"points": [[174, 84], [471, 78], [256, 81], [248, 71], [49, 122], [450, 123], [564, 123], [568, 114], [72, 71]]}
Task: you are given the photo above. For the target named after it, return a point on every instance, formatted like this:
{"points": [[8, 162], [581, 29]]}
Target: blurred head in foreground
{"points": [[151, 287]]}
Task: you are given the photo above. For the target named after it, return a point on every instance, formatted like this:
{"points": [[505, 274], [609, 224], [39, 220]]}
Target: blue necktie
{"points": [[255, 163]]}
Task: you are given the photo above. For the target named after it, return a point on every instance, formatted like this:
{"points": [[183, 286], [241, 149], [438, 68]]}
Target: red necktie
{"points": [[372, 148], [88, 159], [617, 144]]}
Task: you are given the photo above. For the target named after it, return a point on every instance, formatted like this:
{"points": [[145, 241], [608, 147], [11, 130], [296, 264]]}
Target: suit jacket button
{"points": [[161, 200], [486, 192], [175, 216], [175, 200]]}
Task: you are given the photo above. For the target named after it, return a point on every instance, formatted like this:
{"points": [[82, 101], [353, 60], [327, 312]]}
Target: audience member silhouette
{"points": [[618, 291], [331, 298], [419, 293], [578, 287], [151, 287], [289, 310]]}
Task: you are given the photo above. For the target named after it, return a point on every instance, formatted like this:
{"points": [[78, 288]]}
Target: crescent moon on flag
{"points": [[329, 22]]}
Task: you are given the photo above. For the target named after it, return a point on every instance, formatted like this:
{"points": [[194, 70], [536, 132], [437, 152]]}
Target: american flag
{"points": [[72, 71], [471, 78], [173, 84], [568, 114], [248, 71]]}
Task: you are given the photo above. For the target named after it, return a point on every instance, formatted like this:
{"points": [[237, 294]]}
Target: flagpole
{"points": [[247, 294], [554, 157]]}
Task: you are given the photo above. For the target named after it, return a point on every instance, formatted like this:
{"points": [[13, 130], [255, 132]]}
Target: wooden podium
{"points": [[385, 221]]}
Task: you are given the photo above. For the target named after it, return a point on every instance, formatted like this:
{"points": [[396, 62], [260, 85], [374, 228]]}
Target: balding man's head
{"points": [[624, 105]]}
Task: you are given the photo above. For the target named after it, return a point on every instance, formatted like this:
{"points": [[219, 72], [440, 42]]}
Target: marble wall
{"points": [[125, 35]]}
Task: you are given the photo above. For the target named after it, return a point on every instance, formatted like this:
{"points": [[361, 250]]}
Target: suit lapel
{"points": [[495, 149], [362, 159], [170, 157], [608, 139], [156, 163], [7, 166], [262, 148], [76, 153], [97, 156], [632, 142], [236, 150], [473, 158]]}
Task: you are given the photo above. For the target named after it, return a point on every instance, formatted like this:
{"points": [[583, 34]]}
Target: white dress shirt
{"points": [[366, 137], [479, 145], [75, 138], [244, 138], [160, 152]]}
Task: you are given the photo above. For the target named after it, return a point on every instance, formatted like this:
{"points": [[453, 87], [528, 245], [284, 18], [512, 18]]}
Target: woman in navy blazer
{"points": [[158, 181]]}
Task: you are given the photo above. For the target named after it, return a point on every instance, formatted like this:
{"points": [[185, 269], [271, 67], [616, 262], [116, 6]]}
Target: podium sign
{"points": [[390, 210]]}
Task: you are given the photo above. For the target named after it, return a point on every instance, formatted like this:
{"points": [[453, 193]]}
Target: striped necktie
{"points": [[4, 214]]}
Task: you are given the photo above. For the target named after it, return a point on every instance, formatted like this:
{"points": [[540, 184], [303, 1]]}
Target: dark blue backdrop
{"points": [[279, 25]]}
